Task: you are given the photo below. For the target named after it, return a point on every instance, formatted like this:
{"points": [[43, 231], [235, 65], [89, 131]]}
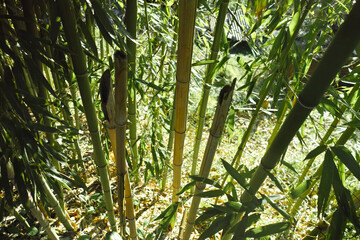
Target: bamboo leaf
{"points": [[236, 175], [218, 224], [209, 213], [315, 152], [211, 193], [300, 189], [346, 157], [186, 187], [289, 166], [267, 230], [149, 84], [275, 180], [325, 182], [277, 208], [205, 180], [168, 212], [235, 206], [88, 37], [204, 62], [337, 226]]}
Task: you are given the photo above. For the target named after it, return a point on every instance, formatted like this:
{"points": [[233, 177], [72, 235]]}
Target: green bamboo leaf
{"points": [[169, 211], [43, 128], [224, 209], [205, 180], [315, 152], [267, 230], [37, 75], [277, 207], [294, 23], [217, 225], [204, 62], [234, 206], [330, 106], [236, 175], [219, 65], [275, 180], [209, 213], [325, 182], [240, 228], [337, 226], [354, 123], [211, 193], [78, 180], [88, 37], [186, 187], [346, 157], [149, 84], [288, 165], [300, 189], [277, 43]]}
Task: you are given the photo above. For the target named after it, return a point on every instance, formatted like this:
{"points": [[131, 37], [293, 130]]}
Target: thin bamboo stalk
{"points": [[219, 29], [54, 203], [216, 130], [108, 105], [172, 120], [335, 56], [80, 69], [130, 21], [187, 13], [33, 209], [120, 60]]}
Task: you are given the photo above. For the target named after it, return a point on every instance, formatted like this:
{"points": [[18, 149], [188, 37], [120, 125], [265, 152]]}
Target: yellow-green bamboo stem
{"points": [[54, 203], [80, 69], [187, 14], [172, 120], [216, 130], [219, 28], [120, 61]]}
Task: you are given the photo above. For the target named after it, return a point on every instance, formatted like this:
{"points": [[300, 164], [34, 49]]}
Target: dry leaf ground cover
{"points": [[87, 211]]}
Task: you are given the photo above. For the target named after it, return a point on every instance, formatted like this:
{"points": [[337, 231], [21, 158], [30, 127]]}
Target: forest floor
{"points": [[87, 212]]}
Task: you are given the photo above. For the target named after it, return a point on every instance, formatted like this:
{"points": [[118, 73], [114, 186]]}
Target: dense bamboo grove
{"points": [[104, 101]]}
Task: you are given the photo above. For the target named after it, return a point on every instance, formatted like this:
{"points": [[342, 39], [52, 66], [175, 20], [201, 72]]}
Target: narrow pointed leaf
{"points": [[300, 189], [236, 175], [346, 157], [216, 226], [205, 180], [211, 193], [325, 182], [315, 152], [267, 230]]}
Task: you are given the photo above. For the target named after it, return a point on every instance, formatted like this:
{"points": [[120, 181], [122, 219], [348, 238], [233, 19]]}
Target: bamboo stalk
{"points": [[33, 209], [219, 29], [172, 120], [130, 21], [120, 61], [216, 130], [54, 203], [335, 56], [80, 70], [108, 107], [187, 13]]}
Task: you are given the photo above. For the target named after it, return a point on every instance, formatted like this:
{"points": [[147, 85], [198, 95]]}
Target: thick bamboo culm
{"points": [[216, 130], [335, 56], [80, 70], [120, 61], [187, 13]]}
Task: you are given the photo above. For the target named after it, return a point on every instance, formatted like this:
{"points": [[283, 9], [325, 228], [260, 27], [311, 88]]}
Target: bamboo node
{"points": [[85, 74], [304, 106]]}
